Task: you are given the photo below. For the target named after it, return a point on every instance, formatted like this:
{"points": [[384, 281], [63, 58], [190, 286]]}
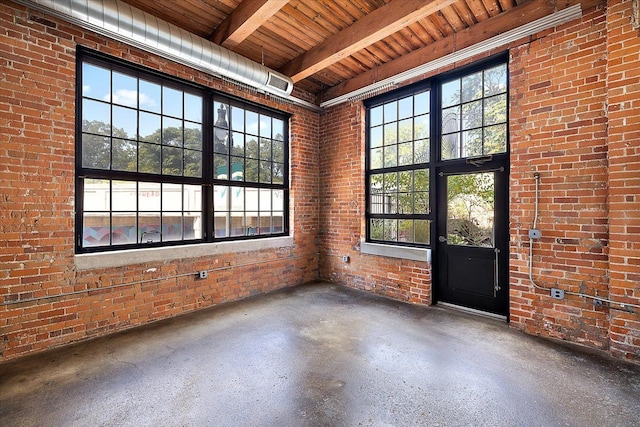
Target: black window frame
{"points": [[434, 86], [207, 181]]}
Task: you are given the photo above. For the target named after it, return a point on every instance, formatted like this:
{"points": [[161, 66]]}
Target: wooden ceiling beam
{"points": [[244, 20], [513, 18], [371, 28]]}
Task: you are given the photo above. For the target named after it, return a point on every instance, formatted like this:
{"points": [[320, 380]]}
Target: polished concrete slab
{"points": [[320, 355]]}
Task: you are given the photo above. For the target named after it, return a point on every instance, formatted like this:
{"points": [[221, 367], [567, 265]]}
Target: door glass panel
{"points": [[470, 209]]}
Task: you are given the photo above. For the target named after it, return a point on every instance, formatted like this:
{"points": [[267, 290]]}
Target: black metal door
{"points": [[472, 237]]}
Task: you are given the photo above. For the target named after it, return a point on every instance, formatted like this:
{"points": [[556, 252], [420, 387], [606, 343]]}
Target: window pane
{"points": [[278, 129], [421, 126], [451, 93], [376, 158], [391, 134], [96, 230], [391, 156], [390, 112], [149, 158], [193, 136], [96, 152], [237, 119], [405, 154], [252, 147], [148, 196], [220, 167], [124, 155], [124, 230], [125, 90], [472, 143], [192, 198], [495, 139], [405, 107], [237, 168], [421, 231], [265, 172], [123, 195], [150, 96], [237, 198], [171, 161], [495, 80], [278, 200], [450, 147], [220, 198], [278, 151], [97, 195], [192, 225], [150, 125], [96, 117], [277, 173], [125, 122], [421, 151], [265, 126], [193, 107], [252, 202], [472, 87], [421, 103], [405, 130], [277, 221], [171, 102], [265, 224], [472, 115], [375, 116], [251, 170], [172, 132], [405, 230], [375, 137], [390, 230], [265, 149], [376, 229], [149, 227], [193, 163], [237, 144], [495, 110], [451, 119], [251, 123], [172, 227], [172, 197], [96, 82]]}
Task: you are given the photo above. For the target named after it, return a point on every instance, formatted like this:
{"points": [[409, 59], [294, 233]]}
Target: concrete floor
{"points": [[320, 355]]}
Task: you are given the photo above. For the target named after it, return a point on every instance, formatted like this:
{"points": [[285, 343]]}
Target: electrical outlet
{"points": [[535, 233], [557, 294], [345, 258], [203, 274]]}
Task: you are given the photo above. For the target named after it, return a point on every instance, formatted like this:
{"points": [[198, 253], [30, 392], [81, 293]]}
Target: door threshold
{"points": [[473, 311]]}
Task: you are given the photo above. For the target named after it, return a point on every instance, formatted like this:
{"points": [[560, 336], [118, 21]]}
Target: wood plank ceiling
{"points": [[331, 47]]}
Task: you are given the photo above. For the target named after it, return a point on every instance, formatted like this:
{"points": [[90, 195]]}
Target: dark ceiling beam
{"points": [[513, 18], [244, 20], [373, 27]]}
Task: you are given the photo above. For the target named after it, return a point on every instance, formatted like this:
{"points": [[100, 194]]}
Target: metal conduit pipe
{"points": [[597, 300], [120, 21]]}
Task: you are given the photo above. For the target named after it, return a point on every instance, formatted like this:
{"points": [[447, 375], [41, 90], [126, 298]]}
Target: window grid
{"points": [[397, 170], [148, 166]]}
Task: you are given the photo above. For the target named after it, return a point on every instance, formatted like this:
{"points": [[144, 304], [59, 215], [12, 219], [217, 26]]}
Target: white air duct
{"points": [[122, 22]]}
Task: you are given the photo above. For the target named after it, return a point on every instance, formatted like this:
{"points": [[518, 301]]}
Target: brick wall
{"points": [[342, 223], [623, 106], [37, 118], [574, 118], [558, 128]]}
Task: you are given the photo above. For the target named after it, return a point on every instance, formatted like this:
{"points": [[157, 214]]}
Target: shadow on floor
{"points": [[320, 355]]}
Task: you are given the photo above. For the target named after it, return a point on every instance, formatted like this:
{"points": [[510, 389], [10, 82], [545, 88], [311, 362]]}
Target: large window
{"points": [[398, 175], [414, 132], [162, 162]]}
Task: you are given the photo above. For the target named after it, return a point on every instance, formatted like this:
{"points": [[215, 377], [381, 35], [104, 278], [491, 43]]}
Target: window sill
{"points": [[140, 256], [403, 252]]}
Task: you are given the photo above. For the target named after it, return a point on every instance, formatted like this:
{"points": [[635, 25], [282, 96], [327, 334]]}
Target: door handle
{"points": [[442, 239], [496, 274]]}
